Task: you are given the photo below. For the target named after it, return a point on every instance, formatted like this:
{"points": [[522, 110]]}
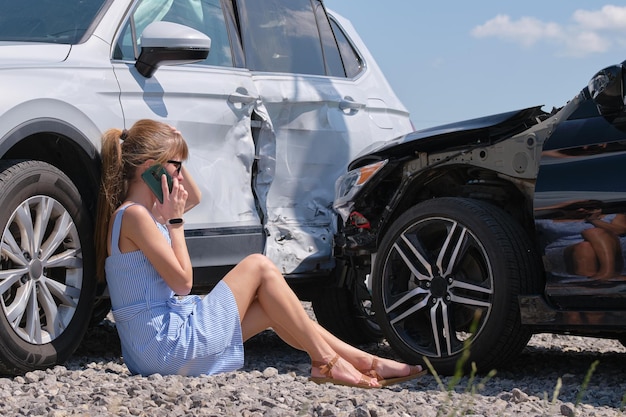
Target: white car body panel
{"points": [[315, 140], [305, 138], [48, 89]]}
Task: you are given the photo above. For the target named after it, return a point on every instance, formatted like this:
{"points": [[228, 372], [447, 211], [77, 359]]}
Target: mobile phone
{"points": [[152, 177]]}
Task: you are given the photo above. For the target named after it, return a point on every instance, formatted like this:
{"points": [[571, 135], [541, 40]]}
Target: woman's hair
{"points": [[122, 151]]}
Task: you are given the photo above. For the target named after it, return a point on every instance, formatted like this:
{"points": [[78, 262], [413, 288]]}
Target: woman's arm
{"points": [[140, 232], [617, 225], [194, 193]]}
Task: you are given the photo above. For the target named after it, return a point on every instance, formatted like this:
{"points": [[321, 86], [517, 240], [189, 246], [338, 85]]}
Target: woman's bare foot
{"points": [[341, 372], [604, 275], [382, 369]]}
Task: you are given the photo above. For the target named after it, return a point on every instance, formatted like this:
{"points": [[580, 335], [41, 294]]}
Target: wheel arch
{"points": [[512, 195], [62, 145]]}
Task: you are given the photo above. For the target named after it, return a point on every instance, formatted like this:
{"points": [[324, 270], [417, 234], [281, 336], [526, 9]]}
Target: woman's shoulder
{"points": [[137, 226], [135, 208], [133, 211], [138, 217]]}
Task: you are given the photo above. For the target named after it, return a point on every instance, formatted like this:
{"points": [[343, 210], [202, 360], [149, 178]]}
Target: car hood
{"points": [[485, 130], [19, 53]]}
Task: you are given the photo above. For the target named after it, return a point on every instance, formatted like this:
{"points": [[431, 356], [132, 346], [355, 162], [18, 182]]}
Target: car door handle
{"points": [[238, 98], [349, 104]]}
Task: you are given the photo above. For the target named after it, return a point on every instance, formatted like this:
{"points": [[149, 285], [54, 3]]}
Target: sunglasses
{"points": [[177, 164]]}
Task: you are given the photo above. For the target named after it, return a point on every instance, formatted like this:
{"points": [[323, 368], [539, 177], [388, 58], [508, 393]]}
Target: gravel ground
{"points": [[550, 378]]}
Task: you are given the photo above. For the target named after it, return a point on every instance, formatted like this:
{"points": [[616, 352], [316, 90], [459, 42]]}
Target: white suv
{"points": [[287, 96]]}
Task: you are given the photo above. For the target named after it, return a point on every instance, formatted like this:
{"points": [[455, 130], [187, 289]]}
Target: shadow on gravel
{"points": [[536, 371], [100, 340], [262, 351]]}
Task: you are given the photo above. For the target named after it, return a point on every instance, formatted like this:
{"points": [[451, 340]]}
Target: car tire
{"points": [[47, 279], [347, 312], [469, 313]]}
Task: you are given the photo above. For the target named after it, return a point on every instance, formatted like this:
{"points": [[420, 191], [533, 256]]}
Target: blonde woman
{"points": [[142, 252]]}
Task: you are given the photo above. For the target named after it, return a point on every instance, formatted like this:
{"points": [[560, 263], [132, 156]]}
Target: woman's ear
{"points": [[143, 167], [147, 164]]}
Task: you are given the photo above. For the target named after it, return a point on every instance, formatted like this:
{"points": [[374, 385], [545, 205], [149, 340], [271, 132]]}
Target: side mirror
{"points": [[607, 89], [167, 43]]}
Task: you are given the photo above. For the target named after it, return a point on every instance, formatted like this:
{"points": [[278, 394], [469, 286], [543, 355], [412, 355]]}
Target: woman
{"points": [[583, 241], [142, 251]]}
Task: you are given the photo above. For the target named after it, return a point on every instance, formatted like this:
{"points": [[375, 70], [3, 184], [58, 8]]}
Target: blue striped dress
{"points": [[164, 334]]}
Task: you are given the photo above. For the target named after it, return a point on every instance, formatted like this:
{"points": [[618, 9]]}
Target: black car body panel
{"points": [[556, 174], [583, 164], [484, 130]]}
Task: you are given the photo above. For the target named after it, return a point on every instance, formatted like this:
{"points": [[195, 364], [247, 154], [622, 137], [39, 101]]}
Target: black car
{"points": [[474, 235]]}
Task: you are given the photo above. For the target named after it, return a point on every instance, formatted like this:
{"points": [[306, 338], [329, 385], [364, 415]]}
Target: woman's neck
{"points": [[139, 193]]}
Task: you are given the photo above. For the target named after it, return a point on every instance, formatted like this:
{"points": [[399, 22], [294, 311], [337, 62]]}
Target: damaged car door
{"points": [[324, 108]]}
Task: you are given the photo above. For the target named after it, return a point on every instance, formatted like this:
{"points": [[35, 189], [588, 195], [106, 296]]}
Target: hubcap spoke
{"points": [[42, 218], [441, 327], [24, 222], [61, 231], [66, 259], [49, 306], [398, 305], [473, 296], [15, 311], [11, 249], [454, 241], [67, 295], [33, 320], [414, 248], [10, 277]]}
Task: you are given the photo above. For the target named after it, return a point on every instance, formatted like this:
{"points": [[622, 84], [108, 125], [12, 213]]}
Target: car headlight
{"points": [[348, 185]]}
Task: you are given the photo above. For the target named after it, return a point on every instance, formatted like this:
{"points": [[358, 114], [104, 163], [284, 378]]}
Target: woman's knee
{"points": [[261, 264], [597, 233]]}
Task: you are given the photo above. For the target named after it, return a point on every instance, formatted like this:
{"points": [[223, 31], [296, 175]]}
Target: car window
{"points": [[46, 21], [332, 58], [206, 16], [281, 36], [295, 36], [352, 62]]}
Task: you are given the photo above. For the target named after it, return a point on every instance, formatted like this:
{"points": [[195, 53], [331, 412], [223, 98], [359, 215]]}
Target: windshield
{"points": [[54, 21]]}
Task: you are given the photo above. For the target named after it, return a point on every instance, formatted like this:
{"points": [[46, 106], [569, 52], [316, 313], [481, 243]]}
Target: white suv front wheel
{"points": [[47, 281]]}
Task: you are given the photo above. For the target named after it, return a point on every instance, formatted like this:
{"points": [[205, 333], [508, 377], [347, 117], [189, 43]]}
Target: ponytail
{"points": [[122, 152], [112, 191]]}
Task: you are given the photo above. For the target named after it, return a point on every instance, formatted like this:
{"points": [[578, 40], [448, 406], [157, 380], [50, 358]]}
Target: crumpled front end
{"points": [[492, 157]]}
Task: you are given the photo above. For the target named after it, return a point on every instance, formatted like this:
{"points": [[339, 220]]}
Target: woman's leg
{"points": [[608, 250], [256, 280], [256, 320], [581, 259]]}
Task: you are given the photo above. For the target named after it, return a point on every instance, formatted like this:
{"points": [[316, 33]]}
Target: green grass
{"points": [[474, 386]]}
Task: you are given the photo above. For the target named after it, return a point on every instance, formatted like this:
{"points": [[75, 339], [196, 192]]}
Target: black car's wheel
{"points": [[446, 280], [348, 312], [46, 274]]}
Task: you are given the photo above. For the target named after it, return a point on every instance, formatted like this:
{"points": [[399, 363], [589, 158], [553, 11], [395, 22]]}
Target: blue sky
{"points": [[455, 60]]}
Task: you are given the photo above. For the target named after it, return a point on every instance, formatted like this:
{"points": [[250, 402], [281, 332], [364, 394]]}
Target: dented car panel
{"points": [[319, 125]]}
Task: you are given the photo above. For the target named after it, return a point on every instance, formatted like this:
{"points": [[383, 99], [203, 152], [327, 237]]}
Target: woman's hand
{"points": [[174, 202]]}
